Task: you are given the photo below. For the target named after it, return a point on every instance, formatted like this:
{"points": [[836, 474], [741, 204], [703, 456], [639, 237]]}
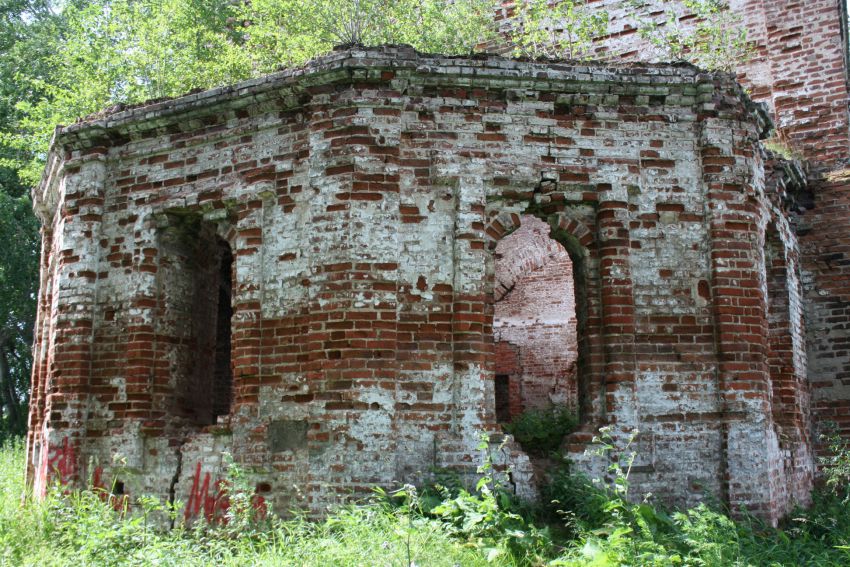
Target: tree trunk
{"points": [[8, 388]]}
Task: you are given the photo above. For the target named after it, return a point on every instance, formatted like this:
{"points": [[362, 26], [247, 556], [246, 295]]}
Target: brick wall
{"points": [[798, 67], [801, 73], [364, 199], [799, 70], [825, 244]]}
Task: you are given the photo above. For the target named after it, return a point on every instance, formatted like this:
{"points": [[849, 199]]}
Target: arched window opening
{"points": [[534, 323]]}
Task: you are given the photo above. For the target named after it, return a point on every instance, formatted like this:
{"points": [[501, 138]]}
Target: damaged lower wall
{"points": [[363, 198]]}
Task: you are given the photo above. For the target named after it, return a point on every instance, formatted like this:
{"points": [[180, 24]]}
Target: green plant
{"points": [[621, 532], [781, 148], [716, 40], [78, 528], [243, 515], [565, 29], [487, 518], [475, 528], [575, 499], [541, 431], [835, 465], [620, 460]]}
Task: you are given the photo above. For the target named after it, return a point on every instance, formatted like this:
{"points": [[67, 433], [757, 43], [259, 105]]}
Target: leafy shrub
{"points": [[541, 431], [566, 29], [487, 518], [612, 530], [835, 466], [575, 499], [715, 39], [79, 528]]}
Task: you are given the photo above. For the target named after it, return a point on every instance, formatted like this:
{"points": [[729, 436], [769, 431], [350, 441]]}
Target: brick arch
{"points": [[571, 233], [539, 249], [503, 224], [506, 222], [575, 228], [227, 232]]}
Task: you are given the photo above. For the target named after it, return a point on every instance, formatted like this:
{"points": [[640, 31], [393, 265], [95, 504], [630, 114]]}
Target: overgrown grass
{"points": [[587, 524], [81, 530]]}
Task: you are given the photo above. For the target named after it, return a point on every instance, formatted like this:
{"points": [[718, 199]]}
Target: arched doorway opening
{"points": [[534, 323]]}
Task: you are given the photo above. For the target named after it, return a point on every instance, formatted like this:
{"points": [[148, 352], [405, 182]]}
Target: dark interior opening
{"points": [[197, 280], [223, 374], [503, 402], [780, 333]]}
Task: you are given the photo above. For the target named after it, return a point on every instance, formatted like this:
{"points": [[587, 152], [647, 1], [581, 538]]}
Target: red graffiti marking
{"points": [[96, 480], [57, 462], [61, 466], [119, 502], [61, 462], [213, 499], [200, 496]]}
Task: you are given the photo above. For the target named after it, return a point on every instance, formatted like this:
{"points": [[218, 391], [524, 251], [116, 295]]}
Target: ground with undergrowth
{"points": [[581, 524]]}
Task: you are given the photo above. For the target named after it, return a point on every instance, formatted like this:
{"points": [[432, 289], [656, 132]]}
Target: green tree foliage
{"points": [[18, 281], [290, 32], [124, 51], [128, 51], [28, 32], [27, 29]]}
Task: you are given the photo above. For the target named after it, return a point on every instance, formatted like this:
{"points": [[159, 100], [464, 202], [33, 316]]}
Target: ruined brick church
{"points": [[341, 275]]}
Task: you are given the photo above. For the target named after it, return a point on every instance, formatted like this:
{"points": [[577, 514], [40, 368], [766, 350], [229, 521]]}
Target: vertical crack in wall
{"points": [[172, 488]]}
